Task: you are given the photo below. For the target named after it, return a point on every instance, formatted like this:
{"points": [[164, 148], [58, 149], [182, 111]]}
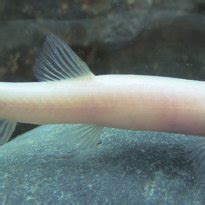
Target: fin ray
{"points": [[6, 130], [86, 136], [57, 61], [196, 154]]}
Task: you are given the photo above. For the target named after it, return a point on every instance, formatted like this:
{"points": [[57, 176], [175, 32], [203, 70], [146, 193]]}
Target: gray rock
{"points": [[129, 167]]}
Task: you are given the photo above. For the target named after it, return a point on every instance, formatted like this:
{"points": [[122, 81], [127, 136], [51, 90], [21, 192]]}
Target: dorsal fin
{"points": [[57, 61]]}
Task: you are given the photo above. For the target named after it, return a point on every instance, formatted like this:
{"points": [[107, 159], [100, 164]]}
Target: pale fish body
{"points": [[121, 101], [71, 93]]}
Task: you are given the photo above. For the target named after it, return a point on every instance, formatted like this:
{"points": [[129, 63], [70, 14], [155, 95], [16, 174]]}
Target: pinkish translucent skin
{"points": [[120, 101]]}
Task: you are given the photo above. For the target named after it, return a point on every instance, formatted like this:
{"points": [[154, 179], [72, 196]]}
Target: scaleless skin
{"points": [[121, 101], [71, 93]]}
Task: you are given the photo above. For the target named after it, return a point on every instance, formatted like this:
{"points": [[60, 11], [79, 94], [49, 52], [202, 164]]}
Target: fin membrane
{"points": [[57, 61], [197, 158], [85, 136], [6, 130]]}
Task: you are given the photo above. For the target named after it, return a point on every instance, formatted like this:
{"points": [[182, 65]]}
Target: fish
{"points": [[69, 93]]}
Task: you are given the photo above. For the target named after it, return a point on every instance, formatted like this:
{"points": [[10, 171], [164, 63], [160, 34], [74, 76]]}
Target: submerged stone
{"points": [[129, 167]]}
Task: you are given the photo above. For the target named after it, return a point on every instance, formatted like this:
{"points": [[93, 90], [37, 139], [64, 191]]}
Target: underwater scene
{"points": [[102, 102]]}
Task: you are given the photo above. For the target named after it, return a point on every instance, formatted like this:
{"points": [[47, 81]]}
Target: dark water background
{"points": [[152, 37]]}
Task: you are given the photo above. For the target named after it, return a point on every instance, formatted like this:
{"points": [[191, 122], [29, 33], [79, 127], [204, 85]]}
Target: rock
{"points": [[161, 37], [41, 167]]}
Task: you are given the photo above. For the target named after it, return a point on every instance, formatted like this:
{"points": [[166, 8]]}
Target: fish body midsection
{"points": [[121, 101]]}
